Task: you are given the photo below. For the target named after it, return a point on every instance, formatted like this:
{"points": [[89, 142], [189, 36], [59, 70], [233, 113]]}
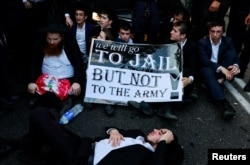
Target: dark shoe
{"points": [[166, 113], [89, 105], [227, 110], [247, 87], [193, 96], [109, 110], [66, 105], [187, 101], [194, 93], [227, 115], [143, 107]]}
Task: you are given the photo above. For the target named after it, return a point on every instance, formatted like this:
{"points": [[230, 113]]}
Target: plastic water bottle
{"points": [[71, 114]]}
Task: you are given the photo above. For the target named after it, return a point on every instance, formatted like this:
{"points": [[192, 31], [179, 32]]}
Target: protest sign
{"points": [[120, 72]]}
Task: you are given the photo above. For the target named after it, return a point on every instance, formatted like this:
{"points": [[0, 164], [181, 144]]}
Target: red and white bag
{"points": [[47, 83]]}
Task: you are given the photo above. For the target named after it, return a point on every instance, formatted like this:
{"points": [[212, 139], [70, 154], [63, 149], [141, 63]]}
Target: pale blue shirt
{"points": [[215, 51]]}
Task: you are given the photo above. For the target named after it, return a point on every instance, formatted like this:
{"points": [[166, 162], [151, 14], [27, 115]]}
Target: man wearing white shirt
{"points": [[56, 54], [179, 33], [127, 147], [219, 62], [82, 30], [133, 147]]}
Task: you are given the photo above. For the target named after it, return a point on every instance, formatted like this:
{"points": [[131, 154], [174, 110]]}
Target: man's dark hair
{"points": [[214, 23], [106, 9], [184, 27], [124, 25], [83, 7]]}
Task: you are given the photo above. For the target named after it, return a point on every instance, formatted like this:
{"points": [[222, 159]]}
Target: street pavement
{"points": [[199, 127]]}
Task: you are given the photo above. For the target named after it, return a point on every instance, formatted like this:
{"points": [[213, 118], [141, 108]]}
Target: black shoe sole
{"points": [[143, 108], [167, 117], [109, 112], [228, 115]]}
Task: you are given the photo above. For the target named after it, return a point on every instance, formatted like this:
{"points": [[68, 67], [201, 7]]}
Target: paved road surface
{"points": [[199, 126]]}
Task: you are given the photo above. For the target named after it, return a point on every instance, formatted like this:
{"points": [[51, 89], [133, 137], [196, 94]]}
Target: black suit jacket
{"points": [[165, 154], [226, 56], [190, 54], [88, 32]]}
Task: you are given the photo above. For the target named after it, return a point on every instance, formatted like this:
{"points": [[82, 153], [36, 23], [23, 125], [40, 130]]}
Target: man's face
{"points": [[215, 33], [53, 39], [177, 18], [80, 17], [175, 34], [155, 135], [105, 22], [124, 35], [54, 44]]}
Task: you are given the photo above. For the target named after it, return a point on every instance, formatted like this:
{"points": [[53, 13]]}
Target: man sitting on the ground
{"points": [[219, 61], [180, 33]]}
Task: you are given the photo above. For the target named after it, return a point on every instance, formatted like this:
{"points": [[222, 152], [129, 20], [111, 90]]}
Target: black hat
{"points": [[54, 24]]}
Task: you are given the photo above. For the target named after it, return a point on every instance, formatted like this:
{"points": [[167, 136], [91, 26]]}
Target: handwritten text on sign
{"points": [[120, 72]]}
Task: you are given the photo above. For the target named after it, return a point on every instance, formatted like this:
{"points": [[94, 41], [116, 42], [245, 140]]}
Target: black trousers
{"points": [[69, 148]]}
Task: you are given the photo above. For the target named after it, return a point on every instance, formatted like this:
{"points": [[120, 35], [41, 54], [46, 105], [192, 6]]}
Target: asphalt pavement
{"points": [[199, 127]]}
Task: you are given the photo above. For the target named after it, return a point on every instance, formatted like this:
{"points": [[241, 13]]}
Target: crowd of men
{"points": [[53, 40]]}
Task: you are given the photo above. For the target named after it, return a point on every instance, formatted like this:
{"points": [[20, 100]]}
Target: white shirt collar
{"points": [[213, 42], [183, 43]]}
